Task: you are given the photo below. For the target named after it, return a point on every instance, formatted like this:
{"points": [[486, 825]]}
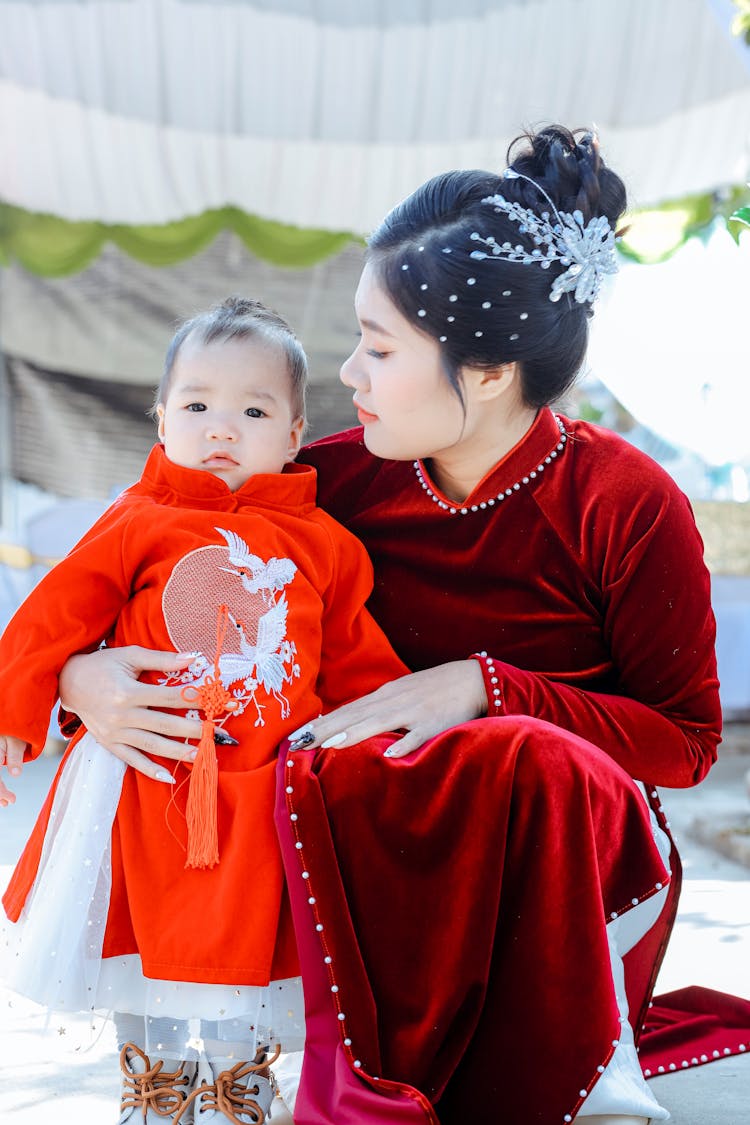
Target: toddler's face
{"points": [[229, 410]]}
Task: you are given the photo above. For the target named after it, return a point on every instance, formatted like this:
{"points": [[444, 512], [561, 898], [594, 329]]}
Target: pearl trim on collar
{"points": [[507, 491]]}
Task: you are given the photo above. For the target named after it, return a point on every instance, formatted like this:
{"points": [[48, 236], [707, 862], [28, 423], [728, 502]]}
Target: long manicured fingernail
{"points": [[162, 775], [389, 753], [221, 738], [303, 740], [187, 655], [296, 735], [334, 740]]}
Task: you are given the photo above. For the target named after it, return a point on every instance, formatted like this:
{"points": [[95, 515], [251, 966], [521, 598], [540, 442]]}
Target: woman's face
{"points": [[403, 397]]}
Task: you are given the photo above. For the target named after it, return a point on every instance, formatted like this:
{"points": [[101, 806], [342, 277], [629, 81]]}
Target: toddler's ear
{"points": [[295, 438], [160, 423]]}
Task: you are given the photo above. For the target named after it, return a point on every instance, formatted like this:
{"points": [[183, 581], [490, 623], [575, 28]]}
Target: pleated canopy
{"points": [[321, 114]]}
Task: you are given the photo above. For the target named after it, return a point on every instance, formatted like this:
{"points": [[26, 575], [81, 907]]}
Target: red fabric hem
{"points": [[692, 1027], [335, 1086]]}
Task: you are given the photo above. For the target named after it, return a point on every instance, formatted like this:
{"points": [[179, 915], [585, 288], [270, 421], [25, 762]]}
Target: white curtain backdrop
{"points": [[324, 114]]}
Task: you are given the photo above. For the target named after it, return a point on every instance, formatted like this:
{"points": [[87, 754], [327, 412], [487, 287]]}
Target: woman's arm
{"points": [[662, 720], [664, 724], [422, 704], [130, 718], [658, 745]]}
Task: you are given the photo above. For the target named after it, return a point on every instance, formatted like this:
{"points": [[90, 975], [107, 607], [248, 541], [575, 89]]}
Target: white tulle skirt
{"points": [[53, 954]]}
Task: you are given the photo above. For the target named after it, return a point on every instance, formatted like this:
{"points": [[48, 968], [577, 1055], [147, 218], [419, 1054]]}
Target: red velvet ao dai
{"points": [[462, 907]]}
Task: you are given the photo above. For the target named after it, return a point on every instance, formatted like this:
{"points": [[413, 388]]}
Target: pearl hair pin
{"points": [[587, 250]]}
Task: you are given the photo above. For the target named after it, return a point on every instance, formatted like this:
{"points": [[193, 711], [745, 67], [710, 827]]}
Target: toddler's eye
{"points": [[254, 412], [376, 355], [196, 407]]}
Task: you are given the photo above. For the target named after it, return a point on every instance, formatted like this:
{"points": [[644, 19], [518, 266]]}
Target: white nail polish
{"points": [[297, 734], [334, 740], [162, 775]]}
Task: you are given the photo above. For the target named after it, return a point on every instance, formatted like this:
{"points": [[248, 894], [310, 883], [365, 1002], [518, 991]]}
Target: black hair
{"points": [[238, 318], [489, 312]]}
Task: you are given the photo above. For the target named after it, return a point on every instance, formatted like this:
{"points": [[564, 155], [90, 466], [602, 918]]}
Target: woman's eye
{"points": [[254, 412], [195, 407], [376, 355]]}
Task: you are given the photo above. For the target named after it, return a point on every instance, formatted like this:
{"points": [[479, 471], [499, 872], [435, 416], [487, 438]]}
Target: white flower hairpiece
{"points": [[588, 250]]}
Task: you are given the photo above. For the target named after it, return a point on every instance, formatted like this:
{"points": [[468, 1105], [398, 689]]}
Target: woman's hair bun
{"points": [[570, 168]]}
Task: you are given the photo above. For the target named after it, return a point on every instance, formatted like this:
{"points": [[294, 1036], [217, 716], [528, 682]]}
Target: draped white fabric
{"points": [[324, 114]]}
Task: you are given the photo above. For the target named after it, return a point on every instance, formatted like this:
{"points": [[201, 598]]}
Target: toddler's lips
{"points": [[219, 459]]}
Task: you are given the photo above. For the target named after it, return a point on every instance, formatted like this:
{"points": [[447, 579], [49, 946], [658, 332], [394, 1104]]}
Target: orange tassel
{"points": [[202, 802], [202, 808]]}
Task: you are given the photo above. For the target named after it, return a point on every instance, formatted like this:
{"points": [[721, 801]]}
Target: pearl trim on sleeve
{"points": [[491, 682]]}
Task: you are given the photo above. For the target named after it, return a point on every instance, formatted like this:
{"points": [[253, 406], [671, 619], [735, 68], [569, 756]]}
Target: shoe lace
{"points": [[231, 1093], [153, 1088]]}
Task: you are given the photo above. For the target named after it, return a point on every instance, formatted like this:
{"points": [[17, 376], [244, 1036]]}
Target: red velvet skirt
{"points": [[450, 910]]}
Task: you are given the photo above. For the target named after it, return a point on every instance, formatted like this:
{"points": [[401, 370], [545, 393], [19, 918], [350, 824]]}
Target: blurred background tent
{"points": [[156, 155]]}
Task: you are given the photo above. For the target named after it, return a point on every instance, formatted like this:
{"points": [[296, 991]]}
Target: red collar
{"points": [[294, 488]]}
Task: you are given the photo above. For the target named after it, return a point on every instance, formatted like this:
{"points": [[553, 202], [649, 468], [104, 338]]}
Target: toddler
{"points": [[165, 903]]}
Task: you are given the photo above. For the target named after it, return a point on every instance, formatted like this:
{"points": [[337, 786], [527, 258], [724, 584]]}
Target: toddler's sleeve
{"points": [[356, 655], [71, 610]]}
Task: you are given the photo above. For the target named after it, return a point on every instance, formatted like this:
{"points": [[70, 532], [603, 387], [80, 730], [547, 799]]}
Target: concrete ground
{"points": [[60, 1075]]}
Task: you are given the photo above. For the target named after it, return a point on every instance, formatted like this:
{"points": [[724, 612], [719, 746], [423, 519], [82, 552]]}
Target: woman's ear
{"points": [[488, 383]]}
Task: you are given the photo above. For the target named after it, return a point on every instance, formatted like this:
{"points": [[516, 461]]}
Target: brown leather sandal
{"points": [[149, 1092]]}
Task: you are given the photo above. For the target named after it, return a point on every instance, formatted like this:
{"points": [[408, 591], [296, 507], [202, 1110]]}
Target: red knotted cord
{"points": [[214, 700]]}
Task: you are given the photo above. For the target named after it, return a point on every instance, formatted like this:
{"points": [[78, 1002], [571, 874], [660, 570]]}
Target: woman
{"points": [[480, 901]]}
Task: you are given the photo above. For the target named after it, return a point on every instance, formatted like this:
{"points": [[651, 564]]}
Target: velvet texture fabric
{"points": [[692, 1026], [463, 892], [154, 571]]}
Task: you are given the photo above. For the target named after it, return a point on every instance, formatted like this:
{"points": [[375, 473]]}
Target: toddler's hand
{"points": [[11, 756]]}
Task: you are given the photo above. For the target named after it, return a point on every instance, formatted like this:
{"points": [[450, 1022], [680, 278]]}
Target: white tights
{"points": [[177, 1040]]}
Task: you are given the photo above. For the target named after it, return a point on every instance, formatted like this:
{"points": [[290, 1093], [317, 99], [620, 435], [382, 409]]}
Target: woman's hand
{"points": [[423, 704], [124, 715], [11, 756]]}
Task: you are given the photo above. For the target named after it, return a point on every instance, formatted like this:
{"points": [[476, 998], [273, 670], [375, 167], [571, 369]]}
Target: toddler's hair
{"points": [[238, 318]]}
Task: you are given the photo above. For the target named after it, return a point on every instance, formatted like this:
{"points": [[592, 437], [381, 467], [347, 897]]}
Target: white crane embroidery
{"points": [[265, 657], [269, 663], [257, 576]]}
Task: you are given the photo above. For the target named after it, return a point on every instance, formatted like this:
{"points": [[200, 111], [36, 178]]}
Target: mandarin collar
{"points": [[527, 459], [293, 488]]}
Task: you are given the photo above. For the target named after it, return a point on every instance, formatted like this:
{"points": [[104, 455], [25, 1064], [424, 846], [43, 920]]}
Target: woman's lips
{"points": [[365, 417]]}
